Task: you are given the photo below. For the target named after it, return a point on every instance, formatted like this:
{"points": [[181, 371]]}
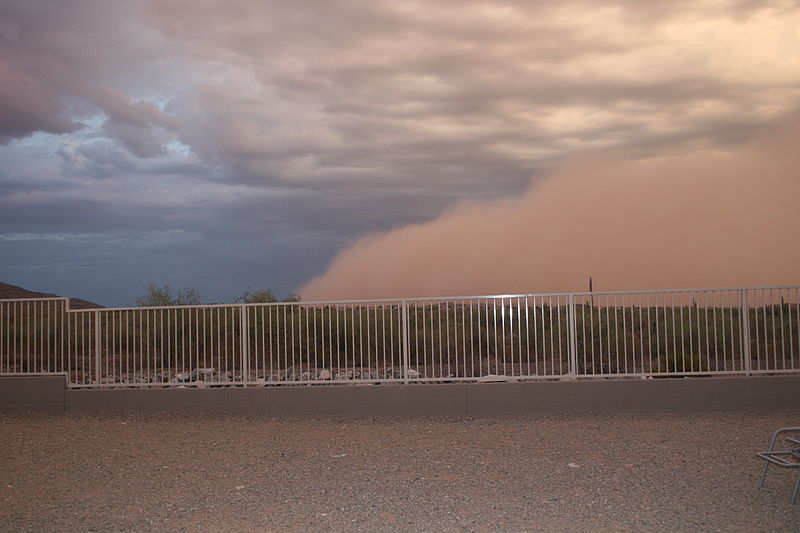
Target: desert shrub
{"points": [[161, 296], [679, 361]]}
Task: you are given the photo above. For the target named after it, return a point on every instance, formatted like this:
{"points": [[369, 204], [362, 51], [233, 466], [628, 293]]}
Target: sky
{"points": [[322, 147]]}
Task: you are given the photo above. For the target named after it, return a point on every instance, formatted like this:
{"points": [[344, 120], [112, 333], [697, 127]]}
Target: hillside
{"points": [[12, 291]]}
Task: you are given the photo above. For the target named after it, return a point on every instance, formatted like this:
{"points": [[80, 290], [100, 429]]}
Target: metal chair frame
{"points": [[783, 458]]}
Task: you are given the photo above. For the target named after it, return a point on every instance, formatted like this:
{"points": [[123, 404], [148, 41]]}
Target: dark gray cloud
{"points": [[271, 134], [141, 127], [60, 61]]}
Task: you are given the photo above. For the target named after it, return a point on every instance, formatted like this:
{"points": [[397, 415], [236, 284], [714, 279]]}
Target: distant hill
{"points": [[12, 291]]}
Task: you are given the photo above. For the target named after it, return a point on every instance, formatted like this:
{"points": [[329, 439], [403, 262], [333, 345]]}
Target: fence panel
{"points": [[32, 336], [774, 329], [336, 341], [681, 332], [489, 337], [166, 345]]}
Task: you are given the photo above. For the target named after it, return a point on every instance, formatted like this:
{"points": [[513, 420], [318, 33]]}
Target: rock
{"points": [[201, 374], [305, 376], [493, 378], [324, 374], [412, 374]]}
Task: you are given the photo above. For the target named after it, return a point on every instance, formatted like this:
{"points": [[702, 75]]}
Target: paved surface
{"points": [[214, 472]]}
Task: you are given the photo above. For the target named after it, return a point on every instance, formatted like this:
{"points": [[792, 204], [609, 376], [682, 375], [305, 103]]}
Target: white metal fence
{"points": [[509, 337]]}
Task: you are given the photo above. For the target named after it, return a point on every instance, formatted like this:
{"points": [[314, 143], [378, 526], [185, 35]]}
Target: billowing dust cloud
{"points": [[704, 218]]}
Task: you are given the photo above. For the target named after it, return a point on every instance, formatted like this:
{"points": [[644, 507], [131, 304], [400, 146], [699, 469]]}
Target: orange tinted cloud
{"points": [[705, 218]]}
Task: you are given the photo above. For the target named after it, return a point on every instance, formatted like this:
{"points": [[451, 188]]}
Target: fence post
{"points": [[744, 319], [245, 345], [573, 337], [97, 347], [406, 340]]}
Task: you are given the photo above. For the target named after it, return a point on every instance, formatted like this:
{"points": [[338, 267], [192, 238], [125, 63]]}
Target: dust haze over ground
{"points": [[698, 217]]}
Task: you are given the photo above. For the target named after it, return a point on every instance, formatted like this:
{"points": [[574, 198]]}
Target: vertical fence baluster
{"points": [[744, 319], [97, 346], [405, 340], [245, 345]]}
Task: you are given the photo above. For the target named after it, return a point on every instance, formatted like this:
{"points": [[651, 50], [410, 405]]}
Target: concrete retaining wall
{"points": [[467, 399], [40, 393]]}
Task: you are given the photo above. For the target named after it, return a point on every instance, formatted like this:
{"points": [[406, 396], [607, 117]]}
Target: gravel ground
{"points": [[215, 472]]}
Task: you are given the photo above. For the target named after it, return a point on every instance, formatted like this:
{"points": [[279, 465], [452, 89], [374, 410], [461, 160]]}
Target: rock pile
{"points": [[211, 377]]}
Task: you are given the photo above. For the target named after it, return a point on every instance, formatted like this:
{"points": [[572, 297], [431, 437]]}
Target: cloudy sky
{"points": [[227, 145]]}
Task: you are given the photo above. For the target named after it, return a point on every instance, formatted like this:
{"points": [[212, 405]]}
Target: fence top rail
{"points": [[400, 301], [53, 299]]}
